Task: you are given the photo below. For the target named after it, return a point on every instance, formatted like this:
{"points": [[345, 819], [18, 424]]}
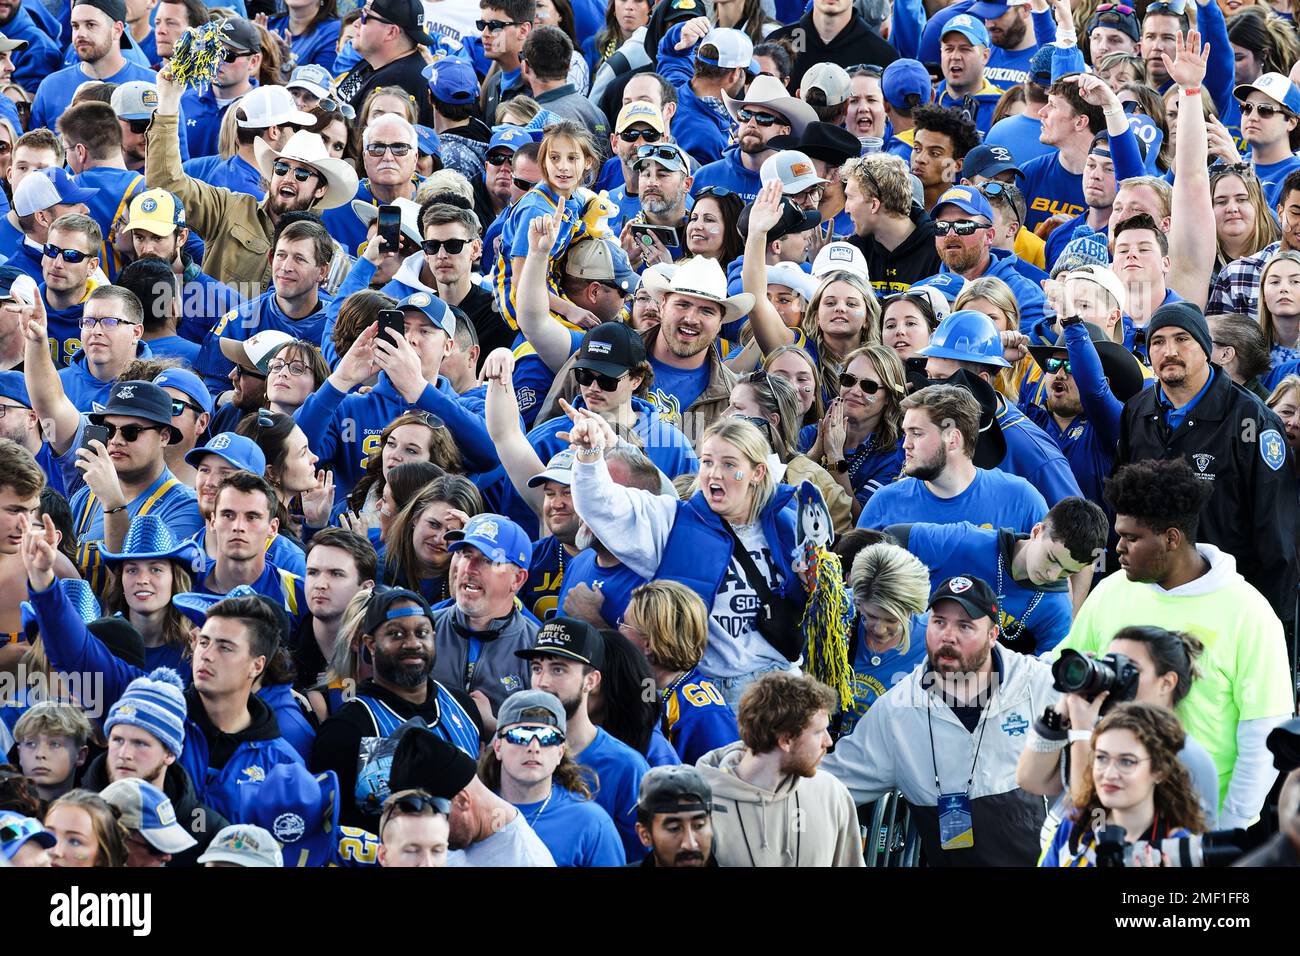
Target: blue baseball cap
{"points": [[452, 80], [1040, 66], [508, 137], [988, 161], [949, 285], [241, 452], [16, 830], [966, 198], [301, 811], [427, 141], [146, 809], [183, 380], [14, 387], [433, 309], [313, 78], [903, 78], [972, 29], [499, 538], [989, 9]]}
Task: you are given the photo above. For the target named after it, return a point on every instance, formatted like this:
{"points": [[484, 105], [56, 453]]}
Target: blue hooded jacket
{"points": [[82, 388], [40, 57], [729, 173], [1030, 298]]}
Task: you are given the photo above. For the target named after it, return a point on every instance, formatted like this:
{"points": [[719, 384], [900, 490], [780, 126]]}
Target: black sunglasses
{"points": [[632, 135], [762, 119], [1055, 364], [230, 56], [179, 405], [139, 127], [963, 227], [434, 246], [868, 386], [51, 251], [522, 184], [606, 383], [719, 191], [500, 159], [368, 14], [130, 432], [300, 173], [870, 69], [494, 26]]}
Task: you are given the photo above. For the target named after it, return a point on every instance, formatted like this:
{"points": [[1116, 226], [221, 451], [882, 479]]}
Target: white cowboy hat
{"points": [[702, 278], [309, 149], [769, 93]]}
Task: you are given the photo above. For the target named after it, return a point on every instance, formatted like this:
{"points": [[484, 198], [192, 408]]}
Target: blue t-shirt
{"points": [[54, 95], [577, 832], [173, 346], [280, 586], [616, 584], [994, 499], [874, 674], [676, 389], [317, 45], [696, 716], [618, 770], [1273, 175], [1051, 189]]}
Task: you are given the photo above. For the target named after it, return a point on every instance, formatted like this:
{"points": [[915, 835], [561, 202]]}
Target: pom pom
{"points": [[198, 55], [165, 675]]}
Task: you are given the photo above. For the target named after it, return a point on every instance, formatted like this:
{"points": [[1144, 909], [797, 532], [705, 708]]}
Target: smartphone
{"points": [[667, 235], [390, 227], [391, 319], [94, 433]]}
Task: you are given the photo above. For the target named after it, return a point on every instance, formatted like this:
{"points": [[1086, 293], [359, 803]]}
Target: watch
{"points": [[1071, 320], [842, 466]]}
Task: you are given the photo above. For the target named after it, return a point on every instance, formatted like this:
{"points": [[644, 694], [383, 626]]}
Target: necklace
{"points": [[1024, 618], [862, 453], [546, 803]]}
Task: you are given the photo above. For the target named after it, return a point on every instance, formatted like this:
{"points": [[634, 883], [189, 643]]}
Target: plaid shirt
{"points": [[1236, 288]]}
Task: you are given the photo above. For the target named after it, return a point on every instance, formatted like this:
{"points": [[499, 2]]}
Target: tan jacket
{"points": [[703, 412], [236, 228]]}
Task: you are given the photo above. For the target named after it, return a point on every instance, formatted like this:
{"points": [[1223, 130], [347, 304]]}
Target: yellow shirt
{"points": [[1030, 248]]}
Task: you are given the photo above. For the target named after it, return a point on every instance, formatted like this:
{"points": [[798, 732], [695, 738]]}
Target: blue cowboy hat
{"points": [[149, 537], [195, 604], [300, 809]]}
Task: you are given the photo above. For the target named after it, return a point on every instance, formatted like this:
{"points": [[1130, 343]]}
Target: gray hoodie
{"points": [[498, 673]]}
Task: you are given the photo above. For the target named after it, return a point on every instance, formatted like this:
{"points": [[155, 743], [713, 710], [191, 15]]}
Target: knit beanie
{"points": [[155, 703], [1185, 316], [1085, 248]]}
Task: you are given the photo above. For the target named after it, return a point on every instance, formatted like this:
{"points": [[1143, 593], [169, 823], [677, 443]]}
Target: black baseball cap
{"points": [[569, 638], [407, 14], [377, 611], [972, 593], [674, 790], [240, 35], [825, 141], [611, 348], [139, 399], [793, 219]]}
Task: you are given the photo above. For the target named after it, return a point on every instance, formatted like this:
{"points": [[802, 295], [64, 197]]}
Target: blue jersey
{"points": [[245, 321], [576, 831], [618, 769], [315, 45], [664, 444], [1050, 189], [871, 468], [1033, 619], [629, 207], [532, 380], [1273, 175], [696, 718], [280, 586], [875, 673], [280, 551], [615, 584], [994, 499], [64, 328], [676, 389], [730, 173], [541, 200], [203, 116], [541, 591], [1032, 455], [54, 95], [116, 188], [173, 346]]}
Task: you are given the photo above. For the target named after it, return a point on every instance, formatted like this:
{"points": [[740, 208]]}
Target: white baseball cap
{"points": [[795, 170], [1104, 277], [831, 78], [841, 257], [271, 106], [734, 47]]}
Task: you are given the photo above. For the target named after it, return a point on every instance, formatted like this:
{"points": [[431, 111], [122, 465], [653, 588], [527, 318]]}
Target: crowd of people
{"points": [[647, 433]]}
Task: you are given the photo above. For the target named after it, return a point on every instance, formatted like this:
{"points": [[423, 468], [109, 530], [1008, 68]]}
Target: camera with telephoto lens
{"points": [[1075, 673]]}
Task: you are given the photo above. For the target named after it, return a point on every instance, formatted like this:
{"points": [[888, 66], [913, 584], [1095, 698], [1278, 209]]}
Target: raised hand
{"points": [[1093, 89], [499, 369], [400, 361], [318, 502], [40, 548], [1188, 66], [359, 363], [768, 208], [693, 32], [543, 230]]}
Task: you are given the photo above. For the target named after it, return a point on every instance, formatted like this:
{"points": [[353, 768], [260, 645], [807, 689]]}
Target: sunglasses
{"points": [[1055, 364], [523, 736], [1265, 110], [494, 26], [108, 322], [1176, 7], [414, 805], [230, 56], [1218, 170], [606, 383], [868, 386], [300, 173], [1123, 8], [73, 256], [434, 246], [397, 149], [658, 152], [762, 119], [963, 227], [719, 191], [130, 432], [295, 368], [632, 135], [500, 159], [522, 184], [368, 14], [870, 69], [138, 127], [334, 106], [179, 405]]}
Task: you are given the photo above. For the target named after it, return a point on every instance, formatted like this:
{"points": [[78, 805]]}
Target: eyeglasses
{"points": [[1124, 763], [762, 119], [522, 184], [432, 247], [963, 227], [300, 173], [868, 386], [130, 432], [632, 135], [73, 256], [397, 149], [276, 366], [523, 736], [500, 159], [414, 805], [109, 322], [368, 14], [179, 405], [1055, 364], [606, 383], [4, 409], [138, 127], [1123, 8], [494, 26], [329, 105], [1265, 110], [719, 191], [241, 372]]}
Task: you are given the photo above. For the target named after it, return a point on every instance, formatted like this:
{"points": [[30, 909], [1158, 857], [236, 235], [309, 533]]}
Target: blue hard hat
{"points": [[967, 336]]}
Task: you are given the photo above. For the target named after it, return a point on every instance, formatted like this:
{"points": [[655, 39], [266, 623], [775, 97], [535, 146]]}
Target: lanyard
{"points": [[475, 649], [938, 787]]}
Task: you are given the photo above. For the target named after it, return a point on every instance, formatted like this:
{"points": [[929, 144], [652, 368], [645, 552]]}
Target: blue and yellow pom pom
{"points": [[826, 623], [197, 55]]}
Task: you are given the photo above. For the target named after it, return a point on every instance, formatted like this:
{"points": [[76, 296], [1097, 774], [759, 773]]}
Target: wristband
{"points": [[1080, 736], [1191, 91], [113, 511], [1040, 744]]}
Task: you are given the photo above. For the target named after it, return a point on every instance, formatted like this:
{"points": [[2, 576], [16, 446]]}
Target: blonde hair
{"points": [[894, 579], [1290, 383], [110, 835], [1265, 230], [227, 137], [894, 377], [882, 176], [1265, 314], [749, 441], [995, 291], [870, 334], [342, 667], [54, 719], [572, 132], [525, 107], [675, 623], [444, 181]]}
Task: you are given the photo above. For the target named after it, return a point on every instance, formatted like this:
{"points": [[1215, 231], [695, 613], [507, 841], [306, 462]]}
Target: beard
{"points": [[571, 705], [278, 205], [800, 766], [656, 205], [752, 145], [961, 260], [1013, 35], [948, 660], [406, 676], [96, 53], [929, 469], [1066, 404]]}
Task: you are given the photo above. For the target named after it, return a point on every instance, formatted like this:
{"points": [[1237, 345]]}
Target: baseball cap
{"points": [[240, 35], [508, 137], [734, 47], [840, 257], [1117, 19], [8, 46], [407, 14], [14, 388], [795, 170], [602, 260], [141, 400], [639, 111], [512, 709], [49, 187], [569, 638], [989, 9], [1040, 66], [135, 100], [611, 348], [377, 610], [793, 220], [904, 78], [187, 382], [972, 29], [971, 593], [988, 161], [239, 451], [157, 211], [1276, 87], [966, 198], [18, 285], [831, 78], [499, 538], [559, 469], [452, 80], [947, 284], [433, 309], [833, 145], [1103, 277], [114, 9], [671, 789], [266, 106], [940, 304], [145, 808], [427, 141], [243, 844], [16, 830], [668, 155], [313, 78], [254, 352], [424, 761]]}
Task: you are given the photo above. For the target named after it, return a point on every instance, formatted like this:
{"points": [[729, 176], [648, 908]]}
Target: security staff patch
{"points": [[1272, 449]]}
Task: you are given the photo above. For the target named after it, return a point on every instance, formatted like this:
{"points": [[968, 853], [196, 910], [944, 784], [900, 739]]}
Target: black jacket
{"points": [[856, 43], [407, 72], [895, 270], [1231, 439]]}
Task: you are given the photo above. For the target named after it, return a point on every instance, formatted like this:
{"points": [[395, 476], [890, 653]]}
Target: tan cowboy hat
{"points": [[703, 278], [769, 93], [309, 149]]}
